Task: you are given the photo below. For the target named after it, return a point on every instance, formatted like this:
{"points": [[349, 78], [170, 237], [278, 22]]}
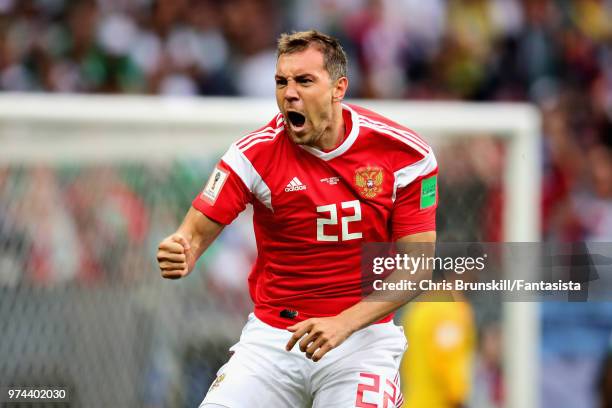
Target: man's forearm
{"points": [[365, 313], [369, 311], [379, 304], [200, 231]]}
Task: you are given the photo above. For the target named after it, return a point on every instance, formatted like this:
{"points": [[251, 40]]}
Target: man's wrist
{"points": [[357, 317], [350, 321], [365, 313]]}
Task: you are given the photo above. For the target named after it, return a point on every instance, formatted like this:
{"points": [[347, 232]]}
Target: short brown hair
{"points": [[334, 57]]}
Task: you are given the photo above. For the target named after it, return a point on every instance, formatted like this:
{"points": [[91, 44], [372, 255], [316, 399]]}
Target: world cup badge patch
{"points": [[369, 181], [214, 185]]}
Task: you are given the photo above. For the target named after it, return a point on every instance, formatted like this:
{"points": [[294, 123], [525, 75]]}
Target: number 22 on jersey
{"points": [[332, 219]]}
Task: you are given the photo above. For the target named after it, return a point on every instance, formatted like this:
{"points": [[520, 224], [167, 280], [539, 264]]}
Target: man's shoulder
{"points": [[261, 139], [369, 115], [389, 134], [256, 148]]}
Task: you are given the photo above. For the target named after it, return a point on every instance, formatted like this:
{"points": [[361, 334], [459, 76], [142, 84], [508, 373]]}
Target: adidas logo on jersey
{"points": [[295, 185]]}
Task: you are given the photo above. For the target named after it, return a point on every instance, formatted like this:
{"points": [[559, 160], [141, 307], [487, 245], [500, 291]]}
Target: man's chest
{"points": [[331, 201]]}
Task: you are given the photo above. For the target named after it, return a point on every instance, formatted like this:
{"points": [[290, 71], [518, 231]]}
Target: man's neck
{"points": [[334, 134]]}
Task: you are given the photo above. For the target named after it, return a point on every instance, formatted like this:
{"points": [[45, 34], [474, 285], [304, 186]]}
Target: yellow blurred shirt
{"points": [[437, 366]]}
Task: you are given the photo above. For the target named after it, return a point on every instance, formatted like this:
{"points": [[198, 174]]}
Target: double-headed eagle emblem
{"points": [[369, 180]]}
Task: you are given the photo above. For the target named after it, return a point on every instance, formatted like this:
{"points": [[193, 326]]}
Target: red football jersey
{"points": [[313, 210]]}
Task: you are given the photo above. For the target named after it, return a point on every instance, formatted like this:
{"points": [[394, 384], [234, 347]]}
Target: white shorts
{"points": [[361, 372]]}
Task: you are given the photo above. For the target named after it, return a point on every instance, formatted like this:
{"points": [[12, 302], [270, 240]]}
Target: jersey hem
{"points": [[272, 318]]}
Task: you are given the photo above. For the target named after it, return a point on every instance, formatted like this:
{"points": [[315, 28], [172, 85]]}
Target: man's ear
{"points": [[340, 88]]}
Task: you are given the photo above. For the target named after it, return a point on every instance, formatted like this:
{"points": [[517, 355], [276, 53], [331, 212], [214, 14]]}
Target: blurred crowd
{"points": [[554, 53]]}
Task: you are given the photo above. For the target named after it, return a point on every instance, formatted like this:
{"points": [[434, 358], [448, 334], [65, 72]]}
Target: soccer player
{"points": [[324, 178], [437, 368]]}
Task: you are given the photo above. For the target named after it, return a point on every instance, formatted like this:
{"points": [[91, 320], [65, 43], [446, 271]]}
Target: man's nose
{"points": [[291, 93]]}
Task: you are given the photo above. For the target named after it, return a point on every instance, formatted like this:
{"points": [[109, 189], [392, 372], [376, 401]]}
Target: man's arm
{"points": [[178, 253], [320, 335]]}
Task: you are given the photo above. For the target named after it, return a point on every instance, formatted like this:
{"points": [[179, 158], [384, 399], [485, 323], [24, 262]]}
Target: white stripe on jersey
{"points": [[251, 135], [265, 137], [408, 174], [268, 129], [238, 162], [259, 138], [396, 135], [404, 132]]}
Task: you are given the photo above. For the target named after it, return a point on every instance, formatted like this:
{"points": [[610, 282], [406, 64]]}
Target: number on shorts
{"points": [[372, 384], [362, 388]]}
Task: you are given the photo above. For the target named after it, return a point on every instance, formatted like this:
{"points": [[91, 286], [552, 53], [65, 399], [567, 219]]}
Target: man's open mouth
{"points": [[296, 119]]}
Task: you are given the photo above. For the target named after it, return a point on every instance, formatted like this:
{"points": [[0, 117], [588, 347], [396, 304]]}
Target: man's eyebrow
{"points": [[304, 76], [299, 76]]}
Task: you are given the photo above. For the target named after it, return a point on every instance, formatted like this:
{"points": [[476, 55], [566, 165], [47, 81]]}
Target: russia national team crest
{"points": [[369, 180]]}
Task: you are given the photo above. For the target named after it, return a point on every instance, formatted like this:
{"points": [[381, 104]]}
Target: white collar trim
{"points": [[344, 146]]}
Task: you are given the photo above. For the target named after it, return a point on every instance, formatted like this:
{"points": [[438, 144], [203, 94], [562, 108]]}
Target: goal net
{"points": [[89, 185]]}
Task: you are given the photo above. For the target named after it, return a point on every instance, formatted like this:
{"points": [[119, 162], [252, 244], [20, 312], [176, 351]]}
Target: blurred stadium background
{"points": [[85, 196]]}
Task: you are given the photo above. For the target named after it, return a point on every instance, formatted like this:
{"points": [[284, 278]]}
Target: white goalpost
{"points": [[57, 129]]}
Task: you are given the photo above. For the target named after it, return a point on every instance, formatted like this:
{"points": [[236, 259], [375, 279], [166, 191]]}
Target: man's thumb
{"points": [[181, 240]]}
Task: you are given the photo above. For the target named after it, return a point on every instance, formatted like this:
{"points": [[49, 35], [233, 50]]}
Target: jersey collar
{"points": [[344, 146]]}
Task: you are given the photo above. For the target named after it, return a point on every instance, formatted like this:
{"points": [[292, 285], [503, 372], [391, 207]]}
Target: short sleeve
{"points": [[416, 200], [224, 196]]}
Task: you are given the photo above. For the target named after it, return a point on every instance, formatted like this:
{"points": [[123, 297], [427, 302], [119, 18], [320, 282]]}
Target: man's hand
{"points": [[319, 335], [178, 253], [175, 257]]}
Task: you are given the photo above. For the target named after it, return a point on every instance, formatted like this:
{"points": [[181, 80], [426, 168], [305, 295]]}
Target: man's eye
{"points": [[305, 81], [281, 82]]}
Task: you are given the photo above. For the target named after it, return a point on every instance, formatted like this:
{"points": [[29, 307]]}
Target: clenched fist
{"points": [[175, 257]]}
